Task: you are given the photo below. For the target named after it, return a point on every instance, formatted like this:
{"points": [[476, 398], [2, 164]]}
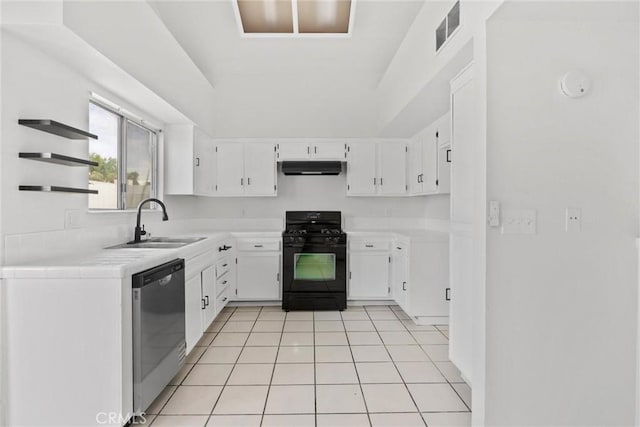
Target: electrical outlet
{"points": [[494, 213], [573, 220], [72, 218]]}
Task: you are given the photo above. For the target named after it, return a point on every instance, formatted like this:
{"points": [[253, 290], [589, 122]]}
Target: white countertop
{"points": [[415, 234], [111, 263], [119, 263]]}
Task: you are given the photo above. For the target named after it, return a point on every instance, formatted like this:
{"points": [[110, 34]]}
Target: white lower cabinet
{"points": [[425, 298], [208, 296], [400, 274], [369, 261], [193, 310], [413, 270], [258, 269], [203, 292]]}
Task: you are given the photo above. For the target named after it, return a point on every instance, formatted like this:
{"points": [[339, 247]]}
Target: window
{"points": [[126, 153]]}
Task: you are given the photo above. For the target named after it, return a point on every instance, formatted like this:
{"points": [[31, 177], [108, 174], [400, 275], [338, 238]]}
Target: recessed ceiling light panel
{"points": [[266, 16], [324, 16], [295, 17]]}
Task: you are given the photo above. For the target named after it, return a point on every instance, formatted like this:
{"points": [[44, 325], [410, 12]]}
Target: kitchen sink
{"points": [[159, 243]]}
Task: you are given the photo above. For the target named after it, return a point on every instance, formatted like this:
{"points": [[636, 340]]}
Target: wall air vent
{"points": [[448, 26]]}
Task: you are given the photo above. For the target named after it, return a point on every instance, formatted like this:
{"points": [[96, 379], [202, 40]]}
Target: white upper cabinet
{"points": [[293, 151], [361, 169], [329, 151], [230, 157], [377, 169], [204, 164], [392, 177], [462, 106], [246, 169], [191, 164], [312, 151], [431, 156], [259, 169]]}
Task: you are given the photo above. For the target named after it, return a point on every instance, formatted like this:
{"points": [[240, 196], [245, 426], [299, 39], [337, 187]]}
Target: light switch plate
{"points": [[519, 222]]}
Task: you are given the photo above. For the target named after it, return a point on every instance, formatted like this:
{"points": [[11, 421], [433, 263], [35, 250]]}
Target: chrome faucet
{"points": [[139, 232]]}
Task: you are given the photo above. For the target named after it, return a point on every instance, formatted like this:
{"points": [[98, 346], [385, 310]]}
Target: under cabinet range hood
{"points": [[311, 168]]}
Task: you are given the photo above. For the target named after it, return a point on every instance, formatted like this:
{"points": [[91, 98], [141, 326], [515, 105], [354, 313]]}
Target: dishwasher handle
{"points": [[162, 273]]}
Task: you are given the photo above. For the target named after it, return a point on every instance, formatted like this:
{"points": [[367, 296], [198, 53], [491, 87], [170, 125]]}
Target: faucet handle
{"points": [[143, 232]]}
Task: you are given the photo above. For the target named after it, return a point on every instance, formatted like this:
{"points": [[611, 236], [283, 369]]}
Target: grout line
{"points": [[355, 368], [315, 376], [398, 371], [229, 376], [264, 408]]}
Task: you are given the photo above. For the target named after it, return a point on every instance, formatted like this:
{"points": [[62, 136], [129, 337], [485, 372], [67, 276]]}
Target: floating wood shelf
{"points": [[52, 188], [58, 159], [57, 128]]}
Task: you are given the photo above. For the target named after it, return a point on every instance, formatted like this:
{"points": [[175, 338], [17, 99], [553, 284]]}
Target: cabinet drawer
{"points": [[222, 266], [222, 283], [369, 245], [222, 300], [259, 245]]}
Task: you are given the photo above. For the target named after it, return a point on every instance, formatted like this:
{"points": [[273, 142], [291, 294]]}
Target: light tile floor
{"points": [[366, 366]]}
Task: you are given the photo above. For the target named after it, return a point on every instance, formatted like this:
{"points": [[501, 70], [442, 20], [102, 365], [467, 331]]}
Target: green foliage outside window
{"points": [[106, 171]]}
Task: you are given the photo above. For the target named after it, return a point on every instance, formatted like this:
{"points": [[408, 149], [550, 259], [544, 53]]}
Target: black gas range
{"points": [[314, 265]]}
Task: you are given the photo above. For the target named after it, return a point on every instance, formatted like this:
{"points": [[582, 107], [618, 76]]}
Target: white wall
{"points": [[36, 86], [291, 105], [561, 308], [416, 63], [321, 193]]}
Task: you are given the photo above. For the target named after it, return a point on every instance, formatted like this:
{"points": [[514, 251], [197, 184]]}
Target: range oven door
{"points": [[314, 268]]}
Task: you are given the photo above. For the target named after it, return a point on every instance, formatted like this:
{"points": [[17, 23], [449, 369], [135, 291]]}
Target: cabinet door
{"points": [[204, 164], [461, 304], [444, 129], [462, 119], [415, 167], [329, 151], [230, 169], [258, 276], [193, 311], [361, 169], [260, 169], [400, 276], [393, 166], [368, 276], [209, 295], [293, 151], [430, 163], [179, 172], [444, 170]]}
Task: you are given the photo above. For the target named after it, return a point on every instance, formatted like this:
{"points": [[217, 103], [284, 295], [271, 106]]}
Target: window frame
{"points": [[124, 117]]}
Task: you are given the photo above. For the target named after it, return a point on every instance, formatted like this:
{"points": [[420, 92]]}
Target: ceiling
{"points": [[208, 32]]}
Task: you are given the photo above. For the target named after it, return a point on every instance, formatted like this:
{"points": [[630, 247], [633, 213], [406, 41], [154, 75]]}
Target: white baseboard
{"points": [[431, 320]]}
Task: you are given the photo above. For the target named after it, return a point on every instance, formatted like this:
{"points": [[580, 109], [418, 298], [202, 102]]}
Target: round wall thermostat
{"points": [[575, 84]]}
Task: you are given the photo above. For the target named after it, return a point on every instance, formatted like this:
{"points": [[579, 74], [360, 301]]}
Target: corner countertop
{"points": [[111, 263]]}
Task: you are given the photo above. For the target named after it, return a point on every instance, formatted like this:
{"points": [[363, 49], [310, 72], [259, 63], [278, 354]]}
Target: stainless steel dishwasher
{"points": [[158, 330]]}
